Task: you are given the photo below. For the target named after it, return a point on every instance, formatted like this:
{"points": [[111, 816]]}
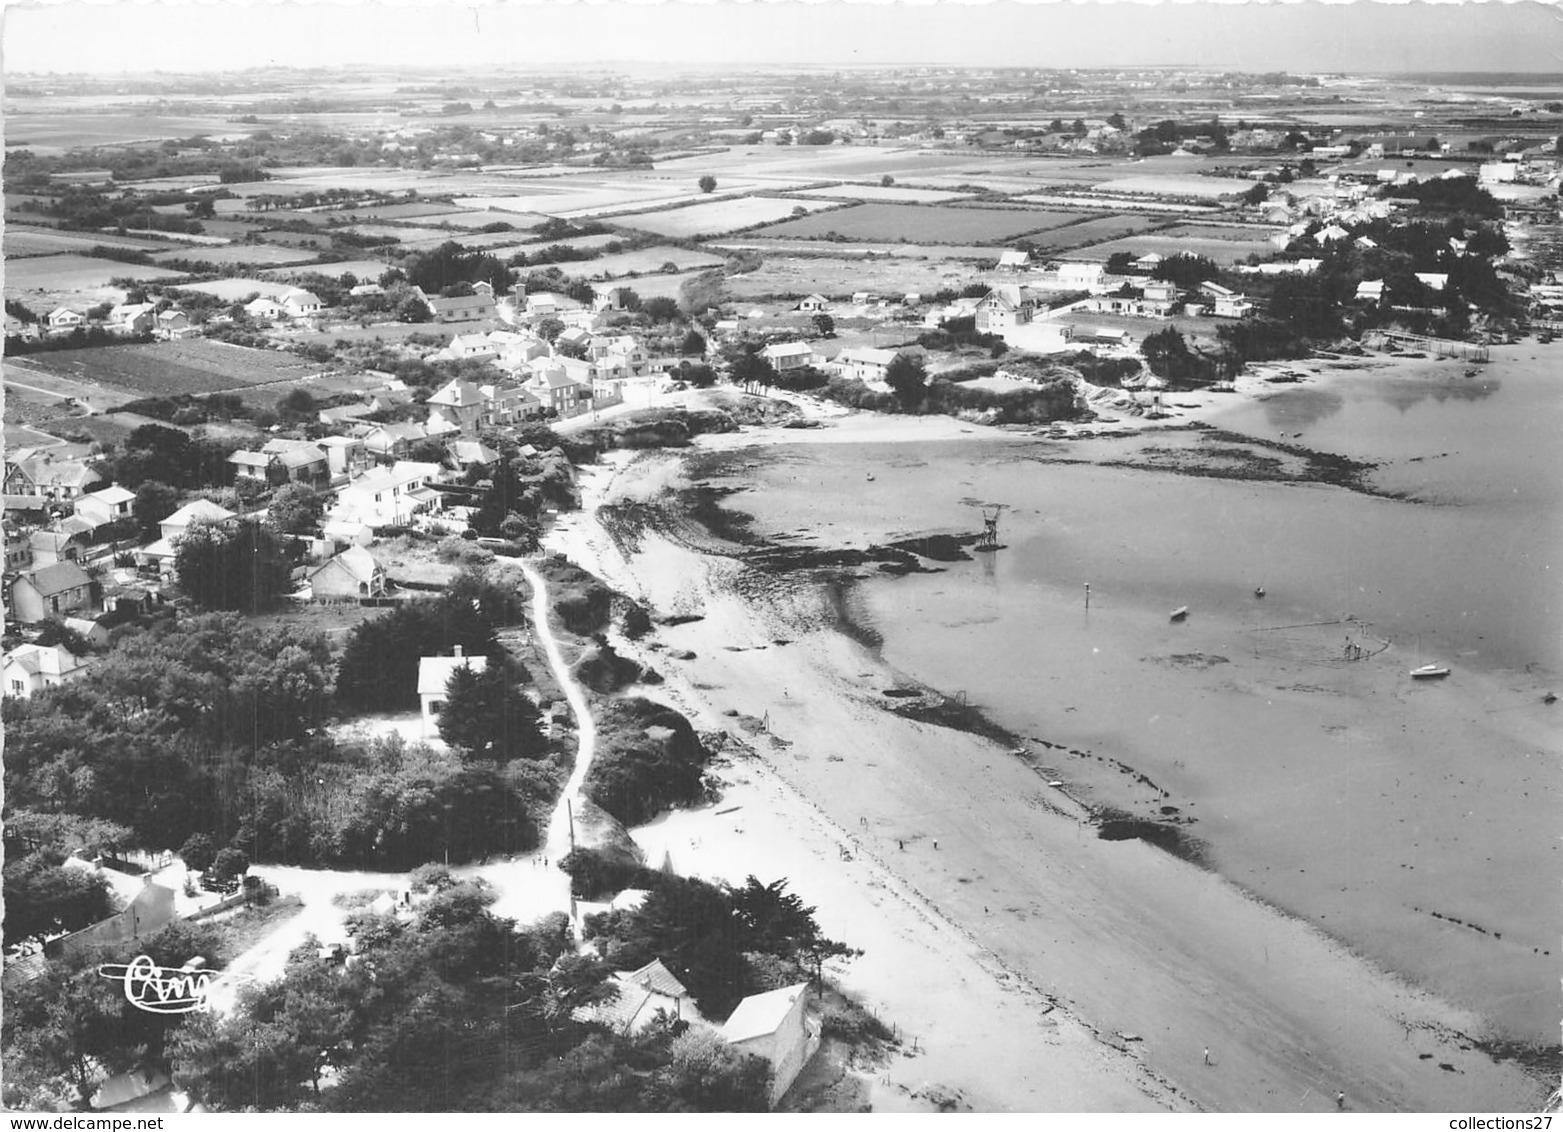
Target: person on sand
{"points": [[1207, 1055], [1340, 1101]]}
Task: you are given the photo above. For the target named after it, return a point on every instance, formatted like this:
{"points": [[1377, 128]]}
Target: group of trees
{"points": [[170, 456]]}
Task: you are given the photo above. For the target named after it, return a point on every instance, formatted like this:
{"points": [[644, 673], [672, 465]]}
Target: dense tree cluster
{"points": [[234, 565], [170, 456], [648, 759]]}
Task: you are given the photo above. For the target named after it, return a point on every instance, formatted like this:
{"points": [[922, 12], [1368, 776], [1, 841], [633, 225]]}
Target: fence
{"points": [[1443, 347]]}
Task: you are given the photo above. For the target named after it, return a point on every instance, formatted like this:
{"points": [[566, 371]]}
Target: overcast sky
{"points": [[1299, 36]]}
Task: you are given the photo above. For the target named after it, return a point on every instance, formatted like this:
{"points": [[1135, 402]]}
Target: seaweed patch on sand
{"points": [[1220, 454]]}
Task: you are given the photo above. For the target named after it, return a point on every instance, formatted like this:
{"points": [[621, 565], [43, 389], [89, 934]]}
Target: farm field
{"points": [[112, 428], [1098, 203], [195, 365], [365, 270], [1092, 231], [840, 278], [600, 240], [641, 262], [1178, 186], [400, 233], [21, 241], [884, 193], [411, 210], [232, 290], [66, 279], [481, 240], [660, 286], [53, 132], [35, 386], [857, 250], [173, 184], [1224, 252], [716, 217], [934, 223], [478, 218], [261, 254]]}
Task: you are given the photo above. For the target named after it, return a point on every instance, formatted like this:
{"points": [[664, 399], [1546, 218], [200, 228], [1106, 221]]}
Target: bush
{"points": [[594, 875], [648, 758]]}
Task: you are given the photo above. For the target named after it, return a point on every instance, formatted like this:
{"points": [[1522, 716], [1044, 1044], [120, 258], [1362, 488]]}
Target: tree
{"points": [[753, 370], [1121, 263], [707, 183], [198, 852], [694, 343], [549, 328], [660, 308], [825, 325], [486, 715], [886, 181], [1116, 122], [44, 898], [908, 379], [296, 509], [238, 565], [709, 1075], [1258, 194], [68, 1023]]}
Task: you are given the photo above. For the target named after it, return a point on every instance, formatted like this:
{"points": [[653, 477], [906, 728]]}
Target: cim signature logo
{"points": [[162, 990]]}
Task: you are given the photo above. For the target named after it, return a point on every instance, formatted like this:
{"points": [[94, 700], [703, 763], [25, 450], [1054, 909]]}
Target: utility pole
{"points": [[1088, 595], [570, 813]]}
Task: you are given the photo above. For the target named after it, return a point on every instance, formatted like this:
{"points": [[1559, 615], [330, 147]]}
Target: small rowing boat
{"points": [[1429, 672], [1180, 613]]}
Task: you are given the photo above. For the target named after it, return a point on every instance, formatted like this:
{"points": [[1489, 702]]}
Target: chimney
{"points": [[458, 650]]}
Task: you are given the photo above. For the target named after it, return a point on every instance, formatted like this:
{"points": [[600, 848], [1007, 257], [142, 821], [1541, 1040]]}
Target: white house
{"points": [[1014, 259], [1004, 307], [813, 304], [1432, 280], [63, 319], [1371, 290], [388, 496], [785, 356], [353, 573], [434, 673], [301, 304], [1080, 274], [774, 1026], [28, 669], [264, 308], [106, 505]]}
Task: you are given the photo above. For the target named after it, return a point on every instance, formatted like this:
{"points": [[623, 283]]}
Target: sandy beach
{"points": [[991, 896]]}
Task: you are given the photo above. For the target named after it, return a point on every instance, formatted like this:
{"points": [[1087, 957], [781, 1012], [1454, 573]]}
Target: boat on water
{"points": [[1180, 613], [1429, 672]]}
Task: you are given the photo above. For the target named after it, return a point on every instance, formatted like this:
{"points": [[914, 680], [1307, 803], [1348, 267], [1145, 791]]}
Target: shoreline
{"points": [[705, 683]]}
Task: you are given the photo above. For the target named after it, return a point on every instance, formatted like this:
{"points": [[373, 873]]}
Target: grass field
{"points": [[1172, 185], [400, 233], [232, 290], [836, 277], [939, 224], [892, 193], [935, 252], [644, 261], [266, 255], [478, 218], [364, 270], [715, 217], [73, 278], [23, 241], [409, 211], [1091, 231], [196, 365], [1221, 251]]}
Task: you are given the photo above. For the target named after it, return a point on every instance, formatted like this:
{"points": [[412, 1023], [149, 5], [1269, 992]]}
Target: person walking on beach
{"points": [[1207, 1055], [1340, 1101], [936, 843]]}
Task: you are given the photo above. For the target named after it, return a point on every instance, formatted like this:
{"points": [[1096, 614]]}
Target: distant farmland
{"points": [[937, 224], [268, 255], [70, 275], [196, 365], [715, 217]]}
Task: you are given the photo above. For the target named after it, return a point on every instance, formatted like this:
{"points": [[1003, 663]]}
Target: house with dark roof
{"points": [[1007, 305], [49, 591], [41, 475], [458, 402]]}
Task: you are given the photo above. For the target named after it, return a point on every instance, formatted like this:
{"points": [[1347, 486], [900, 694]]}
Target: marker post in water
{"points": [[1088, 595]]}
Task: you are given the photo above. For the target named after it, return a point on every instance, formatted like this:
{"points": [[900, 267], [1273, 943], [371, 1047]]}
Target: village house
{"points": [[151, 910], [1225, 302], [617, 355], [775, 1026], [464, 454], [813, 304], [476, 347], [1080, 275], [507, 404], [301, 303], [460, 403], [388, 496], [248, 465], [54, 590], [29, 669], [173, 528], [131, 318], [388, 442], [304, 463], [264, 309], [174, 324], [346, 456], [463, 308], [1014, 259], [1371, 290], [642, 995], [353, 573], [106, 505], [1433, 281], [864, 363], [39, 475], [1006, 306], [557, 390], [785, 356], [62, 320], [53, 545], [434, 673]]}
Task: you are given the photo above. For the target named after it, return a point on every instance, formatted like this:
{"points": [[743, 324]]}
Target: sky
{"points": [[123, 36]]}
